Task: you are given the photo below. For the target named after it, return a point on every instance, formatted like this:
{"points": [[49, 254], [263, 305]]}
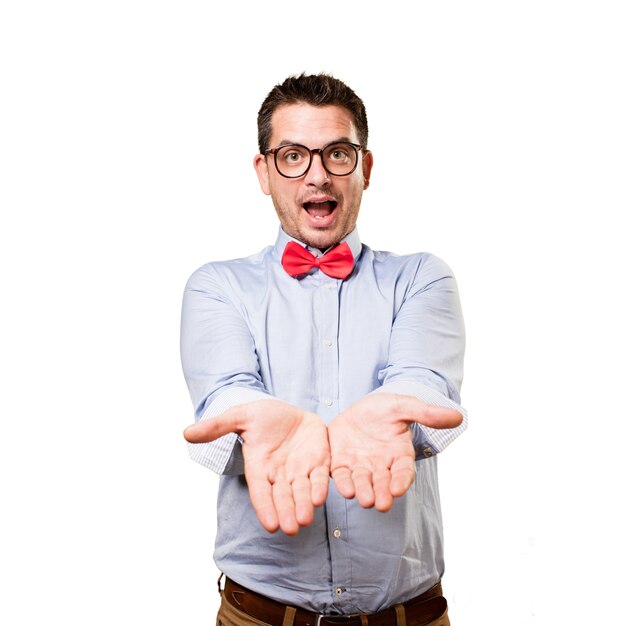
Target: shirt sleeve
{"points": [[426, 350], [219, 363]]}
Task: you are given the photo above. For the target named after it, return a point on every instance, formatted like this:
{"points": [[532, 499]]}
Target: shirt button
{"points": [[328, 285], [328, 342], [338, 591], [336, 533], [328, 402], [428, 452]]}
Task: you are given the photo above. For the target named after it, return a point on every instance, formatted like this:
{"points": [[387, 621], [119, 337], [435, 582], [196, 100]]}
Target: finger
{"points": [[301, 490], [383, 499], [402, 475], [441, 417], [260, 490], [319, 485], [215, 427], [343, 482], [363, 487], [285, 506], [430, 415]]}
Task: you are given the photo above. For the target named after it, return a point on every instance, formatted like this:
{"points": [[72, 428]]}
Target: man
{"points": [[319, 357]]}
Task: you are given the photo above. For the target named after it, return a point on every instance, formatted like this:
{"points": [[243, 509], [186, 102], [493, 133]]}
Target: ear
{"points": [[368, 163], [262, 172]]}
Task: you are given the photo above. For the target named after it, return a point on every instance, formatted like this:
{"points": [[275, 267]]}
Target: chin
{"points": [[321, 240]]}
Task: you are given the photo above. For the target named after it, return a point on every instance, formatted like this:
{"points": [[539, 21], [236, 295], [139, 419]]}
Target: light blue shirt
{"points": [[250, 331]]}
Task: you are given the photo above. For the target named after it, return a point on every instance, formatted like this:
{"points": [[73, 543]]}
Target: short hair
{"points": [[314, 89]]}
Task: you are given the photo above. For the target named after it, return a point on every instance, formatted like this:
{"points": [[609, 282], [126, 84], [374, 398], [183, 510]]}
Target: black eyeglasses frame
{"points": [[313, 151]]}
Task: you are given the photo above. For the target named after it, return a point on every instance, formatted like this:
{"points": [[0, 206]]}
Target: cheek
{"points": [[285, 194], [285, 206], [352, 197]]}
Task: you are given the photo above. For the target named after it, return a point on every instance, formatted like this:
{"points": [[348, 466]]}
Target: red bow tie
{"points": [[336, 263]]}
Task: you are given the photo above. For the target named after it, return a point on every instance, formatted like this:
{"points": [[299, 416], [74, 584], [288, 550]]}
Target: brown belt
{"points": [[417, 612]]}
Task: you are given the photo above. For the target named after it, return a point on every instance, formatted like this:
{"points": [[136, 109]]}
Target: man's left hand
{"points": [[372, 453]]}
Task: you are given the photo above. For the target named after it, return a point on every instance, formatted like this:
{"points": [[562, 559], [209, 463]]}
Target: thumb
{"points": [[431, 415], [435, 416], [215, 427]]}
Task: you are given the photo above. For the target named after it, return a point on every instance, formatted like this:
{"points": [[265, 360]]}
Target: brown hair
{"points": [[314, 89]]}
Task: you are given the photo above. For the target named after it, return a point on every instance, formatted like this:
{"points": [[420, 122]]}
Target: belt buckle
{"points": [[334, 619], [338, 619]]}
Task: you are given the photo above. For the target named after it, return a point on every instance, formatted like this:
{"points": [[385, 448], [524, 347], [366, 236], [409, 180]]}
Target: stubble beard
{"points": [[322, 239]]}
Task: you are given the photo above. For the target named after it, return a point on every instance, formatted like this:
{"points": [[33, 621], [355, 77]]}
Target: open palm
{"points": [[372, 447], [286, 455]]}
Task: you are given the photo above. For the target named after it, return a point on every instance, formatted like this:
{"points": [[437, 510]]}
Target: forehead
{"points": [[313, 126]]}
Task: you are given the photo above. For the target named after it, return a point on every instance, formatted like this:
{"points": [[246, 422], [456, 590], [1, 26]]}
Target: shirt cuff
{"points": [[428, 441], [223, 455]]}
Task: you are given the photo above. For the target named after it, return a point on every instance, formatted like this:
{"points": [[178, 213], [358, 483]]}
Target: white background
{"points": [[127, 132]]}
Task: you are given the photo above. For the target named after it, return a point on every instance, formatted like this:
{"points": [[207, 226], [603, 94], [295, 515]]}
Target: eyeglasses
{"points": [[293, 160]]}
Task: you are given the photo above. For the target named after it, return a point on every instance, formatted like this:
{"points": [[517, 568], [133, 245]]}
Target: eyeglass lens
{"points": [[338, 159]]}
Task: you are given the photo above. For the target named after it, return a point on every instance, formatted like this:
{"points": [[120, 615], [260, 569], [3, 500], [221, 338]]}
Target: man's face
{"points": [[318, 208]]}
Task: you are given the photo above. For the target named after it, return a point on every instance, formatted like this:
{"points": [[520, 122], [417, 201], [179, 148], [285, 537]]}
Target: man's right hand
{"points": [[286, 455]]}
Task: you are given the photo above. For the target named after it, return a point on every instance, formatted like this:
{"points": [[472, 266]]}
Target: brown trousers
{"points": [[228, 615]]}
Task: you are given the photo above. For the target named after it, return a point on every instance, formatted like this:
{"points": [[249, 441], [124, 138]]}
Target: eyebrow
{"points": [[286, 142]]}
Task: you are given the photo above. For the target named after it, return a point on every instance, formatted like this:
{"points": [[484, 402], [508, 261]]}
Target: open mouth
{"points": [[320, 210]]}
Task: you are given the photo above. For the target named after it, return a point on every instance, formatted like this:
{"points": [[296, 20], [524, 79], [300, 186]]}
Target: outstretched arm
{"points": [[373, 457], [286, 456], [219, 361], [426, 349]]}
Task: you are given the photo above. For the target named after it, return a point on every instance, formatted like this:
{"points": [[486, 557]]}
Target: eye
{"points": [[339, 153], [292, 155]]}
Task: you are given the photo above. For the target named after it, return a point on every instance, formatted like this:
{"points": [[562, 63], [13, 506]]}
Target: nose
{"points": [[317, 174]]}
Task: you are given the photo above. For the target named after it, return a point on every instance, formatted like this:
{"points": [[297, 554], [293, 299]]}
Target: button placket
{"points": [[329, 401], [329, 358]]}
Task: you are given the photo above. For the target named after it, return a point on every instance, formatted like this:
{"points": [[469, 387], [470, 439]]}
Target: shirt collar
{"points": [[352, 239]]}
